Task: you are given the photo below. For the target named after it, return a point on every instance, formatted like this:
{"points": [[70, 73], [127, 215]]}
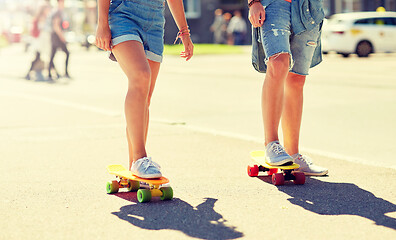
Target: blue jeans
{"points": [[277, 37], [139, 20]]}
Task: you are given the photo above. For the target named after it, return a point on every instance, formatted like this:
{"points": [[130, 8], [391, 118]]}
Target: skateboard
{"points": [[132, 183], [287, 171]]}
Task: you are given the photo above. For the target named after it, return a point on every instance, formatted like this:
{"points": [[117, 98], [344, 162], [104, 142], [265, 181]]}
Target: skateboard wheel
{"points": [[133, 185], [112, 187], [167, 193], [144, 195], [253, 171], [278, 179], [300, 178], [272, 171]]}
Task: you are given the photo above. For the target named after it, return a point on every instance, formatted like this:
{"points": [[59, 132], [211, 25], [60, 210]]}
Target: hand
{"points": [[103, 37], [257, 14], [188, 47]]}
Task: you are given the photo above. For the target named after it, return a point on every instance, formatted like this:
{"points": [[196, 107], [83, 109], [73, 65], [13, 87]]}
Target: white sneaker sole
{"points": [[148, 176], [315, 174], [280, 163]]}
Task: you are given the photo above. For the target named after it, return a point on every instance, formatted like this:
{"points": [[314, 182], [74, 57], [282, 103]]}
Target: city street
{"points": [[57, 139]]}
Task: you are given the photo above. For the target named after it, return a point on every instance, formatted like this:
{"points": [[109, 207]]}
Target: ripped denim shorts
{"points": [[277, 37]]}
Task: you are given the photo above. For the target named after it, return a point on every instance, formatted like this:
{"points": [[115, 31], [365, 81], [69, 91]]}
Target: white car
{"points": [[360, 32]]}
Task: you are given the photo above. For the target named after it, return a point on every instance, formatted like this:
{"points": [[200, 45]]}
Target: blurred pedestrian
{"points": [[217, 27], [134, 31], [38, 41], [58, 40], [227, 18], [237, 29], [285, 45]]}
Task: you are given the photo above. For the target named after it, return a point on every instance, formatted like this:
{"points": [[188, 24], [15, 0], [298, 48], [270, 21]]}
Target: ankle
{"points": [[270, 140]]}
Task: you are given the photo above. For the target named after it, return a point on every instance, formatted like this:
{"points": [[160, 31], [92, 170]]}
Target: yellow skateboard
{"points": [[287, 173], [132, 183]]}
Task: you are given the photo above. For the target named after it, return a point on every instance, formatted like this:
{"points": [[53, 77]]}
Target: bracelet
{"points": [[182, 32], [252, 2]]}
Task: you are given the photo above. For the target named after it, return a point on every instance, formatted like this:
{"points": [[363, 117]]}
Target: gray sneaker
{"points": [[146, 168], [276, 155], [307, 167]]}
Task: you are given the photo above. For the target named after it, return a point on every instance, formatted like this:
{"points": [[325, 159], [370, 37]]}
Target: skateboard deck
{"points": [[287, 171], [132, 183]]}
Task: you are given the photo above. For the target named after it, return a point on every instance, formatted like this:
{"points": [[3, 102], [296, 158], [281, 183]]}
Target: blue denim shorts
{"points": [[277, 37], [139, 20]]}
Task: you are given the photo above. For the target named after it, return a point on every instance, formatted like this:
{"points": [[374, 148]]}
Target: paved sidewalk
{"points": [[54, 188], [56, 140]]}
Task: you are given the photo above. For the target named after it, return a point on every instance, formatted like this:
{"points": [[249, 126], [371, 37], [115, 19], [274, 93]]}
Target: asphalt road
{"points": [[56, 139]]}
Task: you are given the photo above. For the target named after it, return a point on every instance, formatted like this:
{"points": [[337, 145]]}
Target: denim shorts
{"points": [[139, 20], [277, 37]]}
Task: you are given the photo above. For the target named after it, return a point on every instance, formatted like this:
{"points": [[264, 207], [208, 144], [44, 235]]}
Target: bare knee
{"points": [[139, 82], [278, 64], [295, 81]]}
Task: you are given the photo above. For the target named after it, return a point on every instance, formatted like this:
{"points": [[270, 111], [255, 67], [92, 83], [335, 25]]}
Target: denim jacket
{"points": [[305, 15]]}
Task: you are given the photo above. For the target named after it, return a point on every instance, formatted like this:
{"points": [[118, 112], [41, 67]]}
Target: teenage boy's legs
{"points": [[275, 34], [302, 47], [292, 111], [272, 95]]}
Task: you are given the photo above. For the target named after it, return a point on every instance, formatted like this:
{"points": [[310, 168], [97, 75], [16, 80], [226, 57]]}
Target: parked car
{"points": [[360, 32]]}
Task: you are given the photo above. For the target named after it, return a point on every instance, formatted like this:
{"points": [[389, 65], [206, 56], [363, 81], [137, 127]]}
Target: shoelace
{"points": [[277, 149], [147, 162], [305, 159]]}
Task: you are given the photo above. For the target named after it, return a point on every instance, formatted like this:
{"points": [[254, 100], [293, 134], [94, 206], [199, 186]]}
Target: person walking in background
{"points": [[237, 29], [285, 45], [134, 32], [217, 27], [38, 41], [227, 18], [58, 40]]}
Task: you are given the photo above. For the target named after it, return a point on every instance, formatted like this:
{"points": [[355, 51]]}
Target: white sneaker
{"points": [[307, 167], [146, 168], [276, 155]]}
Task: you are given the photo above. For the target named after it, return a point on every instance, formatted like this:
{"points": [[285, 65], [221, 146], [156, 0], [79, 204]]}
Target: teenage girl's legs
{"points": [[141, 74], [154, 66]]}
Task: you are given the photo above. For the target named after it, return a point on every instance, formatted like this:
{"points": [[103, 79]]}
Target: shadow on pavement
{"points": [[326, 198], [199, 222]]}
